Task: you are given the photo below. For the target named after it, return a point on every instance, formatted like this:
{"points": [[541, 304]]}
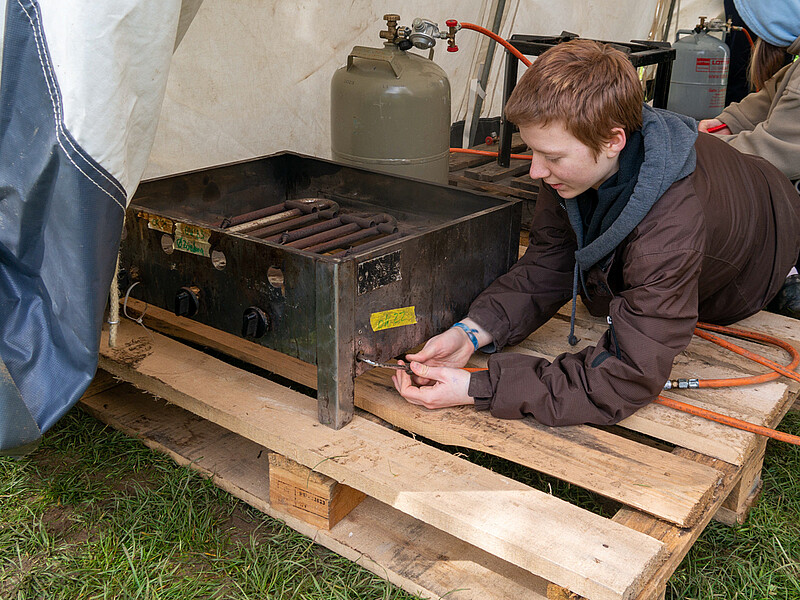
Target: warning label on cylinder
{"points": [[714, 68], [397, 317]]}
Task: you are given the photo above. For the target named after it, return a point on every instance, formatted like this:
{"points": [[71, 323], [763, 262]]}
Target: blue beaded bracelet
{"points": [[470, 333]]}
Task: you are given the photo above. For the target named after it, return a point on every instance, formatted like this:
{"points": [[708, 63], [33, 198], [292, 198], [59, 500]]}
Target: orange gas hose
{"points": [[499, 40], [702, 330], [726, 420]]}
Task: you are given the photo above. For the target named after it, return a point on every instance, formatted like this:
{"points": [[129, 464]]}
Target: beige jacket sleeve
{"points": [[767, 123]]}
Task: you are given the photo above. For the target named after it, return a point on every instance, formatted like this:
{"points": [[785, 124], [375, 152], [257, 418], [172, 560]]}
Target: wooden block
{"points": [[556, 592], [730, 517], [308, 495], [744, 494]]}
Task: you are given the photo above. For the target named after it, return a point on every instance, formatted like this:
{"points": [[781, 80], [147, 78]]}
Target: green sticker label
{"points": [[192, 246]]}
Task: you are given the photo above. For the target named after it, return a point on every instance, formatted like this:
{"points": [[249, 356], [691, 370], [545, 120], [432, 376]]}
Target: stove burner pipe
{"points": [[284, 226], [324, 236], [258, 223], [276, 213], [380, 224], [344, 241], [299, 234], [368, 245], [250, 216]]}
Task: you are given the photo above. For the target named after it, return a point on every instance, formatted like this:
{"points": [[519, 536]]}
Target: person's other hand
{"points": [[451, 348], [449, 386], [707, 124]]}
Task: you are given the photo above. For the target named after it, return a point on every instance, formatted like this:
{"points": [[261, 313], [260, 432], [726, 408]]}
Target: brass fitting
{"points": [[391, 27]]}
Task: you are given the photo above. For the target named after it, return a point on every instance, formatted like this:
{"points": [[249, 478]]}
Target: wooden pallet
{"points": [[492, 524]]}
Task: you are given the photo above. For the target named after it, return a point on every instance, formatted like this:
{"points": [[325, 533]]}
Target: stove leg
{"points": [[335, 284]]}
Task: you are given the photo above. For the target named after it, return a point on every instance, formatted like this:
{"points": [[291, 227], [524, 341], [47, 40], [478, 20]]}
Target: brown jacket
{"points": [[715, 246]]}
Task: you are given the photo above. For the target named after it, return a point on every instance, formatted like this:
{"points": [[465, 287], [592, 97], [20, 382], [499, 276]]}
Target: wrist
{"points": [[473, 333]]}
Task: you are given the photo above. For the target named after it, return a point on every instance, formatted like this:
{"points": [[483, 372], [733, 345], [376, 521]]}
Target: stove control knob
{"points": [[255, 322], [187, 301]]}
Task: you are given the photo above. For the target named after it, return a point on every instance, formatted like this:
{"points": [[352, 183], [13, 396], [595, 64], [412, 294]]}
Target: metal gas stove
{"points": [[317, 260]]}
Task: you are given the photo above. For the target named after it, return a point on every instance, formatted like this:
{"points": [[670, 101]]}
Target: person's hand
{"points": [[449, 349], [707, 124], [450, 386]]}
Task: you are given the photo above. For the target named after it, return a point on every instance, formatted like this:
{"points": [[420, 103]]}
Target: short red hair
{"points": [[589, 87]]}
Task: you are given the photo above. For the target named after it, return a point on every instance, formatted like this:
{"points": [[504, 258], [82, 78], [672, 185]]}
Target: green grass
{"points": [[95, 514]]}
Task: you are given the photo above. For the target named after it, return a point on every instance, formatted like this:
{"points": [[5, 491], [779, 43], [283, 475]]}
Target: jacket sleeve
{"points": [[772, 134], [653, 319], [540, 282]]}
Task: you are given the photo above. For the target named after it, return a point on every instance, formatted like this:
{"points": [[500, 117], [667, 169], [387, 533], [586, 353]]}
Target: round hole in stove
{"points": [[275, 279], [218, 259]]}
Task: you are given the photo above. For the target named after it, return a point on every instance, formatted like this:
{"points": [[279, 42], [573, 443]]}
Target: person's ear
{"points": [[614, 144]]}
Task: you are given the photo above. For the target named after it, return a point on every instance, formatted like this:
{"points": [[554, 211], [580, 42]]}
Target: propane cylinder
{"points": [[699, 73], [390, 112]]}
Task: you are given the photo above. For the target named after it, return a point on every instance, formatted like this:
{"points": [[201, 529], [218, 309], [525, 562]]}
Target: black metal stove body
{"points": [[246, 248]]}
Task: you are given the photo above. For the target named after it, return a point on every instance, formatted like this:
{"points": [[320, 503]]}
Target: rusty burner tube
{"points": [[298, 234], [258, 223], [344, 241], [252, 215], [325, 236], [368, 245], [285, 225]]}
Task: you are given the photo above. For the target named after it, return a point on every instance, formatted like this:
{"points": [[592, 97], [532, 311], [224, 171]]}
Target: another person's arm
{"points": [[772, 134]]}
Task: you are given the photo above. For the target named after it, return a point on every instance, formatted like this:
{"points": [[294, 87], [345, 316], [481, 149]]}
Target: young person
{"points": [[767, 122], [652, 224]]}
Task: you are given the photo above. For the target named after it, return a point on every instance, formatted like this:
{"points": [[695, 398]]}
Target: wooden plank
{"points": [[621, 469], [412, 555], [494, 172], [494, 513], [494, 188], [678, 540], [628, 472], [524, 182]]}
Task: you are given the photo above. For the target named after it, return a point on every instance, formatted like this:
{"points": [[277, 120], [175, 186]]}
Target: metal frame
{"points": [[640, 53]]}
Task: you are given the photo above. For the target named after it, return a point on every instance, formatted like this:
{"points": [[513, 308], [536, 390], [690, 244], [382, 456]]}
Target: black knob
{"points": [[405, 45], [255, 322], [187, 301]]}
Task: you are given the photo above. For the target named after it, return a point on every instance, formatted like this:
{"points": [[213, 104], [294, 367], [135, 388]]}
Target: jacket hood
{"points": [[774, 21], [669, 155]]}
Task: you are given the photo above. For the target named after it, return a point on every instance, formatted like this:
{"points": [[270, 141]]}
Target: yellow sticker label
{"points": [[159, 223], [397, 317]]}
